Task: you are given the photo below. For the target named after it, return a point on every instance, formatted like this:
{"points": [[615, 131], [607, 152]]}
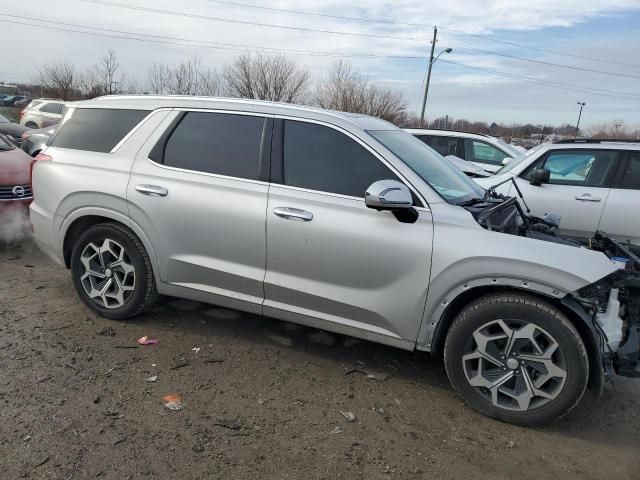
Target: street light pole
{"points": [[432, 60], [582, 104]]}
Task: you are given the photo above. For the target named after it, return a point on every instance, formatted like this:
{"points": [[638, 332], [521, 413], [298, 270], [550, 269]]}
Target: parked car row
{"points": [[345, 222], [14, 100]]}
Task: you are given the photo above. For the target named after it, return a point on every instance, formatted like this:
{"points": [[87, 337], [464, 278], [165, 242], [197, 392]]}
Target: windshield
{"points": [[517, 161], [449, 182], [510, 149]]}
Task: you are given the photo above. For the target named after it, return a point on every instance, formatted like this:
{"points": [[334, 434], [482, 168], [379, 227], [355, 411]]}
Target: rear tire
{"points": [[111, 271], [516, 358]]}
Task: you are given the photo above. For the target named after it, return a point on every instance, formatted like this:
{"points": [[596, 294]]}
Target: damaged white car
{"points": [[336, 221]]}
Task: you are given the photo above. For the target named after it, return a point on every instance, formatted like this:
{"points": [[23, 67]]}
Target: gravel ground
{"points": [[261, 399]]}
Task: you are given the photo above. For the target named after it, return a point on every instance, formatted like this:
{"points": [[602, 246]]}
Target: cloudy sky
{"points": [[512, 60]]}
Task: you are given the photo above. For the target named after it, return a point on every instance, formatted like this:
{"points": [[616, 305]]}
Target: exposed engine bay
{"points": [[611, 306]]}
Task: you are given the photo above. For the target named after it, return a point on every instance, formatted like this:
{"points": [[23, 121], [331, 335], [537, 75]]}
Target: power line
{"points": [[549, 83], [127, 35], [418, 25], [543, 62], [537, 49], [289, 27], [247, 22]]}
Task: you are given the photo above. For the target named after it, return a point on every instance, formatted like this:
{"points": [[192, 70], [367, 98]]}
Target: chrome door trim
{"points": [[289, 213]]}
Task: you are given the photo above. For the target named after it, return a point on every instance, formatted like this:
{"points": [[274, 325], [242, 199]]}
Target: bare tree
{"points": [[275, 78], [189, 77], [59, 80], [348, 90]]}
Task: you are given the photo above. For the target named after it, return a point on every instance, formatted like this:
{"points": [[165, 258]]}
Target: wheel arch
{"points": [[567, 305], [80, 221]]}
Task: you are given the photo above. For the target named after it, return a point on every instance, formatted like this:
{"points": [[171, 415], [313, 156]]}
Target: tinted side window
{"points": [[219, 143], [96, 129], [52, 108], [321, 158], [444, 145], [631, 178]]}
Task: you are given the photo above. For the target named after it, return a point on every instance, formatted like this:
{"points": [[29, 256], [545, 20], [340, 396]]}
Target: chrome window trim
{"points": [[377, 155], [207, 174], [138, 125]]}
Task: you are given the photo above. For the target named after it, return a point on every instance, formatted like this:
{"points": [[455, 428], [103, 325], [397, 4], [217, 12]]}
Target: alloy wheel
{"points": [[514, 364], [109, 276]]}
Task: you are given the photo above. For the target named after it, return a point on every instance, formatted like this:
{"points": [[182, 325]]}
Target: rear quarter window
{"points": [[97, 129]]}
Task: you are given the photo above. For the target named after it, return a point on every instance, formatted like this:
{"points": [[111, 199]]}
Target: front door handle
{"points": [[152, 190], [586, 197], [293, 214]]}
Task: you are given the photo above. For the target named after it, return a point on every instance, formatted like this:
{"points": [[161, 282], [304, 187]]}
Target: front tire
{"points": [[111, 271], [516, 358]]}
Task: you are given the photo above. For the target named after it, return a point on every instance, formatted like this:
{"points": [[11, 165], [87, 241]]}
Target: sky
{"points": [[567, 51]]}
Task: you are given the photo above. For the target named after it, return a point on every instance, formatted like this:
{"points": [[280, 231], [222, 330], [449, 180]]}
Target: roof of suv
{"points": [[154, 102]]}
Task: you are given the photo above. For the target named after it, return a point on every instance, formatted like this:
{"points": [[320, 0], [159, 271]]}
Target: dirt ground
{"points": [[261, 399]]}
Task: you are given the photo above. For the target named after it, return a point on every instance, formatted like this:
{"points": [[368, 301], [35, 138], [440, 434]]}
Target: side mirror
{"points": [[388, 195], [540, 176], [506, 160]]}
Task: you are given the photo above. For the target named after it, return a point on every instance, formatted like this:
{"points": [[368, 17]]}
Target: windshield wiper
{"points": [[470, 202]]}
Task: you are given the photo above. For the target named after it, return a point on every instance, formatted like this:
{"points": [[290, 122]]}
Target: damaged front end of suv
{"points": [[610, 306]]}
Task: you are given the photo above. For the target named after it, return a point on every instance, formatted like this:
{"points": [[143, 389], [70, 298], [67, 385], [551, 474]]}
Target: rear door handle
{"points": [[152, 190], [293, 214], [586, 197]]}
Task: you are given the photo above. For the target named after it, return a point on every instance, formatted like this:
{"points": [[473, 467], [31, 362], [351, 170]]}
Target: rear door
{"points": [[619, 218], [331, 261], [577, 190], [200, 193]]}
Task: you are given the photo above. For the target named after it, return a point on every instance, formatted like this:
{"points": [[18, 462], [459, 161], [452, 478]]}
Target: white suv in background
{"points": [[488, 152], [591, 184], [42, 113]]}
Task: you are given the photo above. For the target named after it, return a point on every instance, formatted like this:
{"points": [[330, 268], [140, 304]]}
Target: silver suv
{"points": [[336, 221]]}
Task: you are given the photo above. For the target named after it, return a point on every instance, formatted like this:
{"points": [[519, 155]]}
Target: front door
{"points": [[577, 190], [331, 261], [198, 195]]}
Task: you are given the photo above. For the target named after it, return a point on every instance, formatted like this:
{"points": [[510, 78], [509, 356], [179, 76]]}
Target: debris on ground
{"points": [[173, 401], [152, 378], [107, 332], [195, 349], [147, 341], [72, 364], [180, 362], [197, 447], [120, 440], [350, 416], [335, 431], [42, 461], [284, 341], [96, 399], [323, 338], [228, 423], [214, 360], [370, 374]]}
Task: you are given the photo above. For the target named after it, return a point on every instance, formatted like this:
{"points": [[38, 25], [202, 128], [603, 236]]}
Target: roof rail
{"points": [[452, 131], [598, 140]]}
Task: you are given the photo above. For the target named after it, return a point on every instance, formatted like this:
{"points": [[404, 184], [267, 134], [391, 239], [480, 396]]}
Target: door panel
{"points": [[208, 230], [349, 264], [577, 190]]}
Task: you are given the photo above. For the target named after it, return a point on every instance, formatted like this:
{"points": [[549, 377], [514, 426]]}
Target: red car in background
{"points": [[15, 192]]}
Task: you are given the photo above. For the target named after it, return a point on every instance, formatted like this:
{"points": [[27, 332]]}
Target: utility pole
{"points": [[617, 125], [582, 104], [426, 86]]}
